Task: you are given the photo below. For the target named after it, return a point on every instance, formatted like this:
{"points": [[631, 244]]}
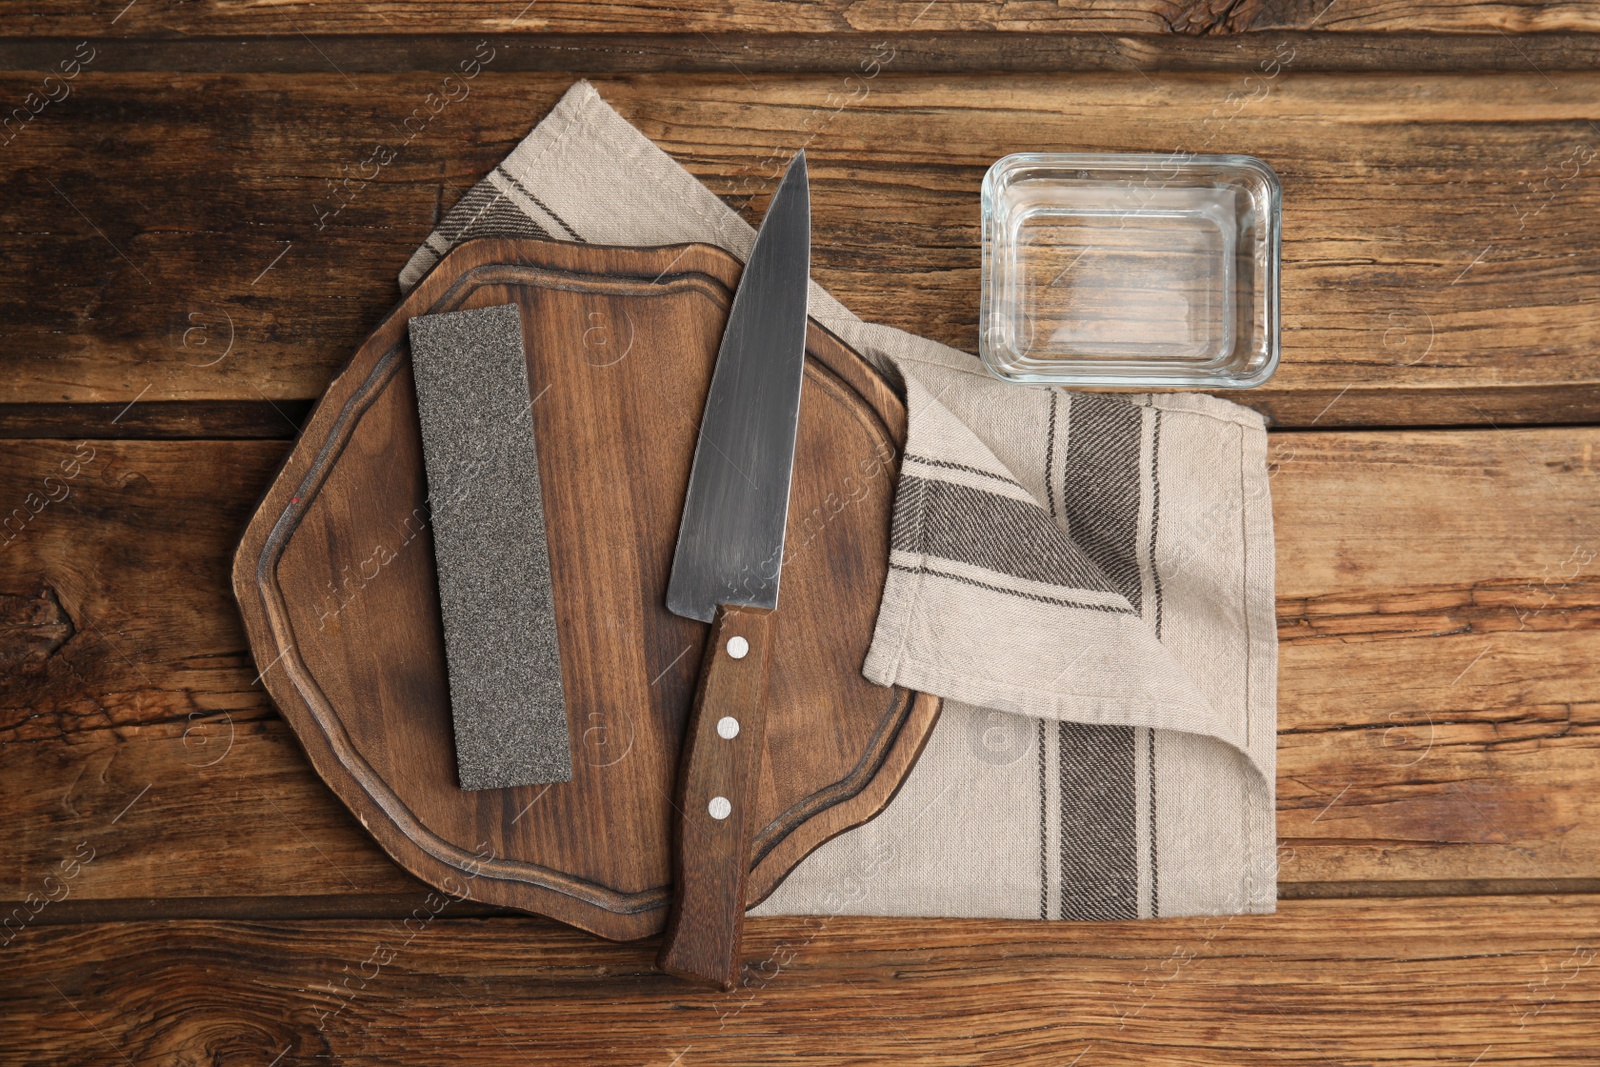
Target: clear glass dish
{"points": [[1145, 271]]}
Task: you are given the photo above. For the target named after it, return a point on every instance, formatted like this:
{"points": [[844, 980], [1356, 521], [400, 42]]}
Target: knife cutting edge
{"points": [[725, 571]]}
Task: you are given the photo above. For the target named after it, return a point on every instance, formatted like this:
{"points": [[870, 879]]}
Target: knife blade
{"points": [[726, 570]]}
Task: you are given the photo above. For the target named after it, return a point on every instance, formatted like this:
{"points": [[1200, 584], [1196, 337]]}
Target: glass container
{"points": [[1145, 271]]}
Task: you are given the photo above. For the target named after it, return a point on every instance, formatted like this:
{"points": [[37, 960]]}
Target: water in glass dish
{"points": [[1127, 271]]}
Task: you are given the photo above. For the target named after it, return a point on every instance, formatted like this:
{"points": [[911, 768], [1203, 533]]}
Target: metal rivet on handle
{"points": [[727, 727], [738, 647], [720, 808]]}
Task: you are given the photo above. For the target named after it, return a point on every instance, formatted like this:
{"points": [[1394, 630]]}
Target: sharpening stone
{"points": [[489, 548]]}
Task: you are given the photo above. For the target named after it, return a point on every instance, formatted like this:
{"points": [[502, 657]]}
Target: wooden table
{"points": [[196, 239]]}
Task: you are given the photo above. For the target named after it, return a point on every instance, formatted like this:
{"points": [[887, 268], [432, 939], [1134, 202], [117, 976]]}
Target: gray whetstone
{"points": [[489, 547]]}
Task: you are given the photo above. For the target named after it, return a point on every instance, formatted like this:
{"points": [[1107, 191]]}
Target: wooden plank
{"points": [[1437, 267], [1437, 603], [166, 18], [1421, 983], [157, 420], [752, 51]]}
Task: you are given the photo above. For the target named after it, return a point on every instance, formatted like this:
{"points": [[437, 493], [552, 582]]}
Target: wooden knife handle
{"points": [[716, 790]]}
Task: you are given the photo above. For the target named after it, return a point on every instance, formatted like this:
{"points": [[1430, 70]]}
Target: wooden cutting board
{"points": [[335, 580]]}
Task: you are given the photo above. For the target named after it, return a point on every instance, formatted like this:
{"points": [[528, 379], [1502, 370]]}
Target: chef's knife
{"points": [[725, 572]]}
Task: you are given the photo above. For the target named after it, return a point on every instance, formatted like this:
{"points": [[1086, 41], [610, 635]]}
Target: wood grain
{"points": [[1437, 266], [166, 18], [1402, 983], [156, 420], [755, 52], [1437, 601]]}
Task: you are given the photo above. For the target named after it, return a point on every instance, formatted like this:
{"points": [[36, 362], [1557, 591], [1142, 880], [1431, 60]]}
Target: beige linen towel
{"points": [[1087, 579]]}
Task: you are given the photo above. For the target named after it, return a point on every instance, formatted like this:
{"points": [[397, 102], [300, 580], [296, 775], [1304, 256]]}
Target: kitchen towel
{"points": [[1086, 579]]}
